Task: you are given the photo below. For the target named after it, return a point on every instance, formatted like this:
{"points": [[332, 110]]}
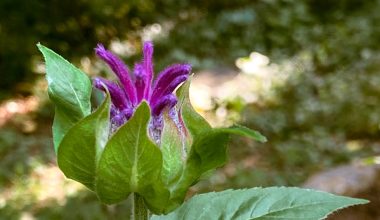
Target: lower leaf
{"points": [[261, 203]]}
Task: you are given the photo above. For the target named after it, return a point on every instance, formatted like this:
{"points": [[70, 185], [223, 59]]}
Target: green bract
{"points": [[69, 89], [116, 164]]}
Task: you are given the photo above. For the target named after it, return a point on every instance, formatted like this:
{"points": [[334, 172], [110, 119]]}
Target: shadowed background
{"points": [[304, 73]]}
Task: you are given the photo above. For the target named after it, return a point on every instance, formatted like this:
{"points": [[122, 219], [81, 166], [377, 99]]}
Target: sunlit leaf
{"points": [[69, 89], [194, 122], [261, 203]]}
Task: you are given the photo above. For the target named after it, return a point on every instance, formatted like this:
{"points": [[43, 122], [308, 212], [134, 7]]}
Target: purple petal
{"points": [[174, 84], [169, 75], [167, 87], [148, 67], [167, 101], [120, 69], [118, 96], [140, 82], [171, 72]]}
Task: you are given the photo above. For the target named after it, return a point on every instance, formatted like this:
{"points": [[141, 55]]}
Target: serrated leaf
{"points": [[130, 163], [82, 145], [261, 203], [69, 89]]}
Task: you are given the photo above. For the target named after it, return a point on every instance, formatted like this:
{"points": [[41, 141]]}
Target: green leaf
{"points": [[196, 125], [261, 203], [209, 149], [208, 152], [174, 150], [132, 163], [209, 146], [82, 145], [69, 89], [194, 122], [244, 131]]}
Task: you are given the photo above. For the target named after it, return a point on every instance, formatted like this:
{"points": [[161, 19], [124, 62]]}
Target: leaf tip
{"points": [[350, 203], [263, 139], [40, 46], [247, 132], [144, 105]]}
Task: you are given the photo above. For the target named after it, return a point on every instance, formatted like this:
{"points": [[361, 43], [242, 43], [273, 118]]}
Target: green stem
{"points": [[139, 210]]}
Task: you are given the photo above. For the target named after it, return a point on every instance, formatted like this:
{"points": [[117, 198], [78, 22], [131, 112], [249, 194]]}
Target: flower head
{"points": [[134, 87]]}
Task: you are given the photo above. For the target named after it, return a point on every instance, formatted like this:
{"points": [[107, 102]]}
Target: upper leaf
{"points": [[261, 203], [130, 162], [82, 145], [70, 90], [194, 122]]}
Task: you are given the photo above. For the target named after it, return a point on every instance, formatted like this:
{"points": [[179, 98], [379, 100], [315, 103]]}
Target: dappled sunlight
{"points": [[21, 111], [48, 182], [10, 108], [45, 184], [225, 93], [255, 64]]}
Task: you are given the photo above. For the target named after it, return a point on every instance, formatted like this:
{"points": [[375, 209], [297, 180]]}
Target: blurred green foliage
{"points": [[329, 102], [71, 27], [315, 119], [227, 30]]}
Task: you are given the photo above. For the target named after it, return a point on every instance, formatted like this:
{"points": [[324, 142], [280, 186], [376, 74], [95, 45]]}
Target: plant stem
{"points": [[139, 210]]}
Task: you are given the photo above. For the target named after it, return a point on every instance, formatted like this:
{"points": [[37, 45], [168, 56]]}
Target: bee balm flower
{"points": [[133, 88]]}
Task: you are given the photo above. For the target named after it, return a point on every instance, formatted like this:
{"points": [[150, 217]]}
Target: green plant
{"points": [[153, 145]]}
